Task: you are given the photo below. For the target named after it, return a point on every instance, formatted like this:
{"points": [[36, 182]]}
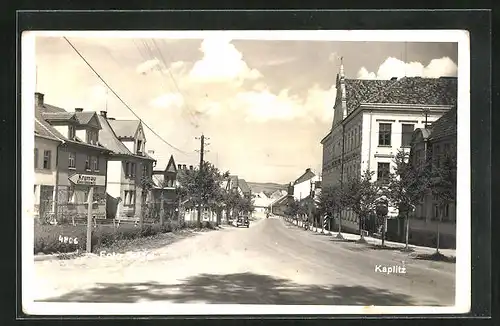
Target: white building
{"points": [[304, 184], [373, 119]]}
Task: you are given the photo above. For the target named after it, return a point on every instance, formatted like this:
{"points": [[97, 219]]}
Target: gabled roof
{"points": [[47, 108], [445, 126], [406, 90], [306, 176], [84, 118], [171, 164], [279, 200], [244, 186], [43, 129], [125, 128]]}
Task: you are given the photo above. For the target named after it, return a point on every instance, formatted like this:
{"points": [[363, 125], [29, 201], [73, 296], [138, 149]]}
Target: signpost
{"points": [[91, 181]]}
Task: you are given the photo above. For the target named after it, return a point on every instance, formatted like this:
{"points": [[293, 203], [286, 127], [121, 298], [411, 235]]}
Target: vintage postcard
{"points": [[245, 172]]}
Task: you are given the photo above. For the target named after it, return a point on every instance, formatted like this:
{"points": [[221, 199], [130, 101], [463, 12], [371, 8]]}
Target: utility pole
{"points": [[202, 153]]}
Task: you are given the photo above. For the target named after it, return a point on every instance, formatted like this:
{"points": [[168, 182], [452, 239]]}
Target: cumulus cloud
{"points": [[393, 67], [168, 100], [221, 62], [147, 66]]}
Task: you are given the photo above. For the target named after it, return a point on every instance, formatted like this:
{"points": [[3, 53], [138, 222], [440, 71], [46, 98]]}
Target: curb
{"points": [[67, 255]]}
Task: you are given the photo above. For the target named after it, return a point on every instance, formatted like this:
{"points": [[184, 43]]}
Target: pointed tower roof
{"points": [[171, 167]]}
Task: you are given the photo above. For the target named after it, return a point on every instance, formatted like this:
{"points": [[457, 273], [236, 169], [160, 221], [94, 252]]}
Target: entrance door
{"points": [[46, 202]]}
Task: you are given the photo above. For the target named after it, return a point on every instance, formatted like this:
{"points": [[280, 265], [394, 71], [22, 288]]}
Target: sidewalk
{"points": [[451, 253]]}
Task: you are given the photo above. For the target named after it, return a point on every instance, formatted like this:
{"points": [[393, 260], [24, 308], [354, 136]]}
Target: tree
{"points": [[407, 187], [360, 195], [331, 203], [245, 205], [202, 188], [292, 208], [443, 185]]}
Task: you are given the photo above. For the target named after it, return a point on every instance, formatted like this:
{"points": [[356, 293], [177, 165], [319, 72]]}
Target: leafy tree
{"points": [[202, 188], [245, 205], [292, 208], [360, 195], [443, 185], [332, 202], [407, 187]]}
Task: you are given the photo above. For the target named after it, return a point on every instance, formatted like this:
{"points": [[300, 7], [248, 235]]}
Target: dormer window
{"points": [[92, 137], [71, 132], [139, 147]]}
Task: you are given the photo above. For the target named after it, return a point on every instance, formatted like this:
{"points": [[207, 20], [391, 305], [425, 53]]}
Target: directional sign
{"points": [[88, 179]]}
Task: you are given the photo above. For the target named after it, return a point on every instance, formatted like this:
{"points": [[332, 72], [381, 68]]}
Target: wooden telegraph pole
{"points": [[202, 153], [90, 201]]}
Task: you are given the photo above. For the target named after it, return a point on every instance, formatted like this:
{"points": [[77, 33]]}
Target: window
{"points": [[71, 132], [36, 158], [407, 132], [46, 159], [129, 197], [92, 137], [133, 169], [436, 212], [71, 195], [447, 150], [437, 155], [72, 160], [95, 163], [139, 146], [144, 170], [383, 170], [127, 169], [87, 163], [384, 134]]}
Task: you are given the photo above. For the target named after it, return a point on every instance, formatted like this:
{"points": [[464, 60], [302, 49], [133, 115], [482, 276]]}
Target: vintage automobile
{"points": [[243, 221]]}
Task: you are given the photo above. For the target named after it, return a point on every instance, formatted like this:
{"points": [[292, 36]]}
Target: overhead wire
{"points": [[121, 100]]}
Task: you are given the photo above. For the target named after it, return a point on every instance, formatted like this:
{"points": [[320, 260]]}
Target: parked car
{"points": [[243, 221]]}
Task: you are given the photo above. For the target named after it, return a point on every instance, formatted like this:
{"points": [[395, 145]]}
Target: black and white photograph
{"points": [[255, 172]]}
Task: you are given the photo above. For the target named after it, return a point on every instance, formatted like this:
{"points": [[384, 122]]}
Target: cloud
{"points": [[168, 100], [393, 67], [147, 66], [221, 62], [278, 62]]}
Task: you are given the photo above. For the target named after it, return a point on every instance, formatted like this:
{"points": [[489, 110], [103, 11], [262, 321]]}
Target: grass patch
{"points": [[55, 239], [436, 257]]}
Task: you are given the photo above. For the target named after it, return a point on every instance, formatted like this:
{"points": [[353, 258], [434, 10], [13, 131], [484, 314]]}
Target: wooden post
{"points": [[90, 201], [162, 209]]}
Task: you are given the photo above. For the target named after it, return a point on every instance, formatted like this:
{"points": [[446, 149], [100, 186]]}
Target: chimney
{"points": [[179, 166], [78, 109], [39, 99], [308, 170], [184, 166], [191, 167], [104, 114]]}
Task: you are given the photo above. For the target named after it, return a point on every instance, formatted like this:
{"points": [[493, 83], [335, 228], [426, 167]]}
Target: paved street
{"points": [[269, 263]]}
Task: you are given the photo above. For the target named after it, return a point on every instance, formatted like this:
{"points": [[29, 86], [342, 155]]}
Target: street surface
{"points": [[269, 263]]}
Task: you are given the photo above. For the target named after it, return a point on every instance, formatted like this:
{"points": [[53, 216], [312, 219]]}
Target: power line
{"points": [[123, 102]]}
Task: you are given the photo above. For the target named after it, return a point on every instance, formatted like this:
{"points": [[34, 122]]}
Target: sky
{"points": [[264, 105]]}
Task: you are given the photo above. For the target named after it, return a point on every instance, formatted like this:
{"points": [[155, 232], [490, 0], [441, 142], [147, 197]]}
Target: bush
{"points": [[47, 241]]}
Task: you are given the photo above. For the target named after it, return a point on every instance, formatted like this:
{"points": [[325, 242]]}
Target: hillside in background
{"points": [[268, 187]]}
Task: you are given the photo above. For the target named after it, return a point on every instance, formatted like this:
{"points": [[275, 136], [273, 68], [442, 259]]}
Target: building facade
{"points": [[303, 186], [373, 119], [80, 161], [432, 145], [130, 168]]}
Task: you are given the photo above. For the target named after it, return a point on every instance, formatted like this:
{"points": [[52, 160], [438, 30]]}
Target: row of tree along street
{"points": [[207, 188], [405, 188]]}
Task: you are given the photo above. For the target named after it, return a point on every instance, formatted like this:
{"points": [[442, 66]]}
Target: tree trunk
{"points": [[322, 221], [407, 233], [383, 230], [339, 234], [438, 234]]}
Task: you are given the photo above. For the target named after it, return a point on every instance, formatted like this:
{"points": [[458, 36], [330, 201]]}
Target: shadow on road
{"points": [[243, 288]]}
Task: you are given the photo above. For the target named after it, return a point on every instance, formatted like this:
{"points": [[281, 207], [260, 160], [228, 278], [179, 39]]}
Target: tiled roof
{"points": [[43, 129], [84, 117], [406, 90], [445, 126], [108, 138], [244, 186], [59, 116], [124, 128], [306, 176], [51, 108]]}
